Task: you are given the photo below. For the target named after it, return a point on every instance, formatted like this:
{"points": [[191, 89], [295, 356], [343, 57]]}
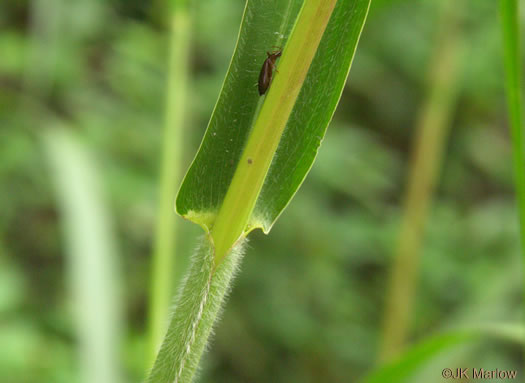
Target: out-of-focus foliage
{"points": [[308, 302]]}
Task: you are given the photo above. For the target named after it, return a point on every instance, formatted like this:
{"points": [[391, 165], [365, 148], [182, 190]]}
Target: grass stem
{"points": [[163, 266], [431, 135]]}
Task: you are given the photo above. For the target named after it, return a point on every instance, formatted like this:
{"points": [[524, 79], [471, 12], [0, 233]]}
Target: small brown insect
{"points": [[265, 77]]}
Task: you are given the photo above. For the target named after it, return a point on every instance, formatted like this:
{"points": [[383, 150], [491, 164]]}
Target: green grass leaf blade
{"points": [[401, 369], [293, 126], [512, 66]]}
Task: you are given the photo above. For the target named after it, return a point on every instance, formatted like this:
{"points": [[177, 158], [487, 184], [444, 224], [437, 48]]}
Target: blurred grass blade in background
{"points": [[432, 128], [163, 262], [405, 365], [256, 152], [512, 66], [93, 271]]}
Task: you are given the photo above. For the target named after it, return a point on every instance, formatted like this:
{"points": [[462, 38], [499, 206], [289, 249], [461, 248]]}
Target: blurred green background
{"points": [[309, 302]]}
